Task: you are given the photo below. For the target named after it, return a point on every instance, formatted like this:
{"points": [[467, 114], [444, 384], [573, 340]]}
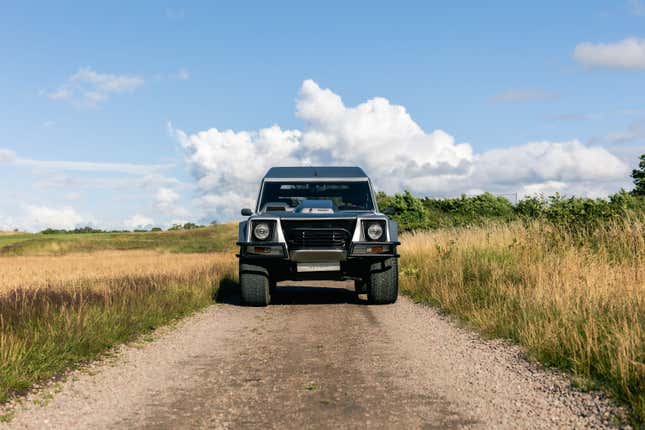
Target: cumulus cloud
{"points": [[37, 218], [395, 151], [137, 221], [88, 87], [626, 54]]}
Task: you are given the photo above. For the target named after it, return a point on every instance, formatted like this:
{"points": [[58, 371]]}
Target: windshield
{"points": [[347, 196]]}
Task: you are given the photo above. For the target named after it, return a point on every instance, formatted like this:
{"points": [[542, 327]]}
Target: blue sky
{"points": [[102, 106]]}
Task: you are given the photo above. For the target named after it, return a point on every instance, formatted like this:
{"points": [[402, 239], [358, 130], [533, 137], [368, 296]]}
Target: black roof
{"points": [[315, 171]]}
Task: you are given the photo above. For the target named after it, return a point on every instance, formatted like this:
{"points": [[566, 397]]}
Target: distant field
{"points": [[9, 238], [208, 239]]}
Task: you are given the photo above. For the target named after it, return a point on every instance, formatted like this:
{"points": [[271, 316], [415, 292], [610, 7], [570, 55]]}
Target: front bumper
{"points": [[278, 250]]}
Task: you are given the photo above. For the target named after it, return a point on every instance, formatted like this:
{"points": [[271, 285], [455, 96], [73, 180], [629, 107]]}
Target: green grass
{"points": [[8, 239], [45, 331], [207, 239]]}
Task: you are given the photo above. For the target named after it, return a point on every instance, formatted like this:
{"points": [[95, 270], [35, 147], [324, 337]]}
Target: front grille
{"points": [[318, 234]]}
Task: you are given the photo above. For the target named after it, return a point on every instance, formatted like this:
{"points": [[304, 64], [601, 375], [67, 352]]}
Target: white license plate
{"points": [[319, 267]]}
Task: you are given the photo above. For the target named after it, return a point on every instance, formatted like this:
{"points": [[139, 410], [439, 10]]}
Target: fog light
{"points": [[366, 250], [276, 251]]}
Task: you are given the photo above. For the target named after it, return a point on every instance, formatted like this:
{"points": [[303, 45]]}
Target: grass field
{"points": [[208, 239], [7, 238], [575, 302], [57, 311]]}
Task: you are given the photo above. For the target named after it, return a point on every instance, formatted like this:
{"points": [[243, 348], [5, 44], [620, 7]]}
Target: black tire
{"points": [[254, 285], [383, 287]]}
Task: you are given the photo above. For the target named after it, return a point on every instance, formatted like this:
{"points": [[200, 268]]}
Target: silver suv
{"points": [[317, 223]]}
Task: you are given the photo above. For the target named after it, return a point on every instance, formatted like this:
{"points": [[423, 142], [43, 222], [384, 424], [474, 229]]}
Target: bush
{"points": [[574, 214]]}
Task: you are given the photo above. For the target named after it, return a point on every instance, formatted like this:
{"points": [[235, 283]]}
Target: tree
{"points": [[639, 178]]}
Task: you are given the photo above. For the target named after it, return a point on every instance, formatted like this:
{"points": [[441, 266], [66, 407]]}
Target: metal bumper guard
{"points": [[356, 249]]}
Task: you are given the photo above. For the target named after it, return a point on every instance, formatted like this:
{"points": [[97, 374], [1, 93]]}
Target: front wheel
{"points": [[254, 285], [383, 285]]}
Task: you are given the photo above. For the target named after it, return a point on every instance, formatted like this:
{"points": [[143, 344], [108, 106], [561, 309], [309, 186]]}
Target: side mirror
{"points": [[389, 210], [247, 212]]}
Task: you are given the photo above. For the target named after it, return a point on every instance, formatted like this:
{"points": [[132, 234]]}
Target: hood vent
{"points": [[316, 207]]}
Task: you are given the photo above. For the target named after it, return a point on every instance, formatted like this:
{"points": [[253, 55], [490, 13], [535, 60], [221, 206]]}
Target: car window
{"points": [[347, 196]]}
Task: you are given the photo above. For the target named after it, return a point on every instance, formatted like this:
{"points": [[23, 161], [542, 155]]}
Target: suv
{"points": [[317, 223]]}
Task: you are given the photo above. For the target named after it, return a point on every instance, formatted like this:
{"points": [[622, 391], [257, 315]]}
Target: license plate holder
{"points": [[333, 266]]}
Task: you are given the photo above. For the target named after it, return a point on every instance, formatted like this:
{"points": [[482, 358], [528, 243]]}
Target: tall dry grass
{"points": [[576, 301], [80, 268], [58, 311]]}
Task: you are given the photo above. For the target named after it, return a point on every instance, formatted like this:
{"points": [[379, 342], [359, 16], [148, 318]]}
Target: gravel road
{"points": [[315, 359]]}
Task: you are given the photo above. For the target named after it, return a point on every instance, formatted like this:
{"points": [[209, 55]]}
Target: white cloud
{"points": [[576, 168], [88, 88], [547, 161], [37, 218], [6, 156], [393, 149], [137, 221], [43, 217], [546, 188], [626, 54], [166, 197], [89, 166], [166, 201], [517, 96]]}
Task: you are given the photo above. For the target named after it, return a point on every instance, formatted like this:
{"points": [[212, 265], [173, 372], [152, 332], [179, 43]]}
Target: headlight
{"points": [[261, 231], [375, 231]]}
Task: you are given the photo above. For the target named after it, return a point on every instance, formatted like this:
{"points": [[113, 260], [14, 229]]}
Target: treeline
{"points": [[414, 213], [86, 230]]}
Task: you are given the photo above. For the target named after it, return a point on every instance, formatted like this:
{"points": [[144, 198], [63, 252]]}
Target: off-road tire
{"points": [[254, 285], [383, 284]]}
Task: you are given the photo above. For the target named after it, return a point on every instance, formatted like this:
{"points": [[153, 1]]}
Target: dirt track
{"points": [[316, 359]]}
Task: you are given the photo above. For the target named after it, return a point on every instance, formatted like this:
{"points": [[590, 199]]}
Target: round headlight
{"points": [[375, 231], [261, 231]]}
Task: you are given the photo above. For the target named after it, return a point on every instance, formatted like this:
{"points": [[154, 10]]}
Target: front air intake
{"points": [[331, 234]]}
